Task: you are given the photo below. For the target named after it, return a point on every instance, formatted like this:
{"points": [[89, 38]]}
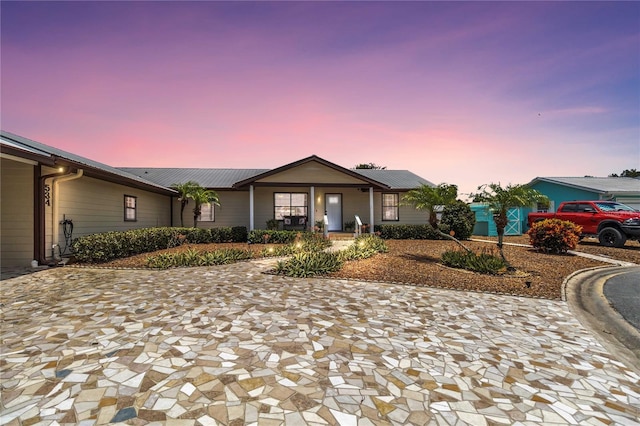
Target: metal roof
{"points": [[601, 185], [226, 178], [208, 178], [395, 179], [32, 146], [163, 178]]}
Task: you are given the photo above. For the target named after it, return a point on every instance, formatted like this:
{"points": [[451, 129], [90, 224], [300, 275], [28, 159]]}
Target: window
{"points": [[130, 208], [289, 204], [207, 213], [390, 207]]}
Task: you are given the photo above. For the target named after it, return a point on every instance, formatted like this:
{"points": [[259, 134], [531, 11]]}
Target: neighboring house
{"points": [[298, 195], [486, 226], [45, 189], [624, 190], [42, 187]]}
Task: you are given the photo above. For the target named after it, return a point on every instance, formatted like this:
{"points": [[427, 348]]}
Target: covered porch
{"points": [[311, 193]]}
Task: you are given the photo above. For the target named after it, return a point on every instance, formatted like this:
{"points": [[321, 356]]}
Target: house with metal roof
{"points": [[297, 195], [624, 190], [50, 196]]}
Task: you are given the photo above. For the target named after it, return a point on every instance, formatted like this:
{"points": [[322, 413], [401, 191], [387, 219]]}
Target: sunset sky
{"points": [[457, 92]]}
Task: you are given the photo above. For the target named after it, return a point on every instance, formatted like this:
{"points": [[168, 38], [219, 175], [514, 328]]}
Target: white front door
{"points": [[333, 207]]}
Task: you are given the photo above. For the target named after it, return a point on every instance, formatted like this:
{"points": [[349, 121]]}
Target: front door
{"points": [[333, 207]]}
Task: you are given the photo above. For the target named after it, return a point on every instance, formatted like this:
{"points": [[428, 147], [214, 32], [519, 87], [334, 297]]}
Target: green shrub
{"points": [[262, 236], [193, 257], [221, 235], [460, 219], [554, 235], [486, 262], [364, 247], [238, 234], [107, 246], [309, 263], [407, 232]]}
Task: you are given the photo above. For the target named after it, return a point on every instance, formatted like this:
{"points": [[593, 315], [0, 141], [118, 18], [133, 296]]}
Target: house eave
{"points": [[253, 180]]}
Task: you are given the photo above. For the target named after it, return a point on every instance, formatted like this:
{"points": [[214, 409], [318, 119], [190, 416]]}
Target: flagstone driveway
{"points": [[230, 345]]}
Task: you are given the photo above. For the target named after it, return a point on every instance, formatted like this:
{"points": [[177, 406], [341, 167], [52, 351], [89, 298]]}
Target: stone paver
{"points": [[229, 345]]}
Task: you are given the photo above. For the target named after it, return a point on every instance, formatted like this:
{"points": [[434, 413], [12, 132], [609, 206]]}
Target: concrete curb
{"points": [[583, 292]]}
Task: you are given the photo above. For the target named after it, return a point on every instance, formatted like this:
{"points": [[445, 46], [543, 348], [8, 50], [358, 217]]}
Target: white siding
{"points": [[17, 213]]}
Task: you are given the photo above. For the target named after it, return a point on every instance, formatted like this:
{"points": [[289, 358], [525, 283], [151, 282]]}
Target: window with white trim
{"points": [[289, 204], [130, 208], [390, 207], [207, 213]]}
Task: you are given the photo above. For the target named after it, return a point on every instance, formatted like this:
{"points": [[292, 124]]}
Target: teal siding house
{"points": [[559, 189], [486, 226], [624, 190]]}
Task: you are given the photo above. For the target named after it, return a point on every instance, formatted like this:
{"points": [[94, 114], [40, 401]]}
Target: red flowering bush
{"points": [[554, 235]]}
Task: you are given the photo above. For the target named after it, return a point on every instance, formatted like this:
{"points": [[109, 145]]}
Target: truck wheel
{"points": [[611, 237]]}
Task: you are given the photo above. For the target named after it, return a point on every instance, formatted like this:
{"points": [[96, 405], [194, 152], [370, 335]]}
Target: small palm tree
{"points": [[500, 200], [202, 196], [429, 198], [184, 193]]}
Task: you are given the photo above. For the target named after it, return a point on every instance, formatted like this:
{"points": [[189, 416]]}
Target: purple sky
{"points": [[464, 93]]}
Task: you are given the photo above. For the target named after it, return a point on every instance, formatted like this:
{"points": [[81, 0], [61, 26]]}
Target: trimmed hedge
{"points": [[262, 236], [107, 246], [409, 232]]}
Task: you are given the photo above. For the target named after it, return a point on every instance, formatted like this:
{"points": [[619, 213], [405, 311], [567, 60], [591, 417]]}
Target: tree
{"points": [[500, 200], [459, 217], [202, 196], [431, 197], [632, 173], [370, 166], [184, 193]]}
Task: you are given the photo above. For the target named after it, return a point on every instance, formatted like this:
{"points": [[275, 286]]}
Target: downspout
{"points": [[55, 223], [40, 226]]}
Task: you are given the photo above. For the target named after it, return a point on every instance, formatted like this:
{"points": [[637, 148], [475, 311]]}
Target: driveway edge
{"points": [[583, 292]]}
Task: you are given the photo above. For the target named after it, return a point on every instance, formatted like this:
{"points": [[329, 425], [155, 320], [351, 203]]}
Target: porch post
{"points": [[312, 216], [250, 207], [371, 210]]}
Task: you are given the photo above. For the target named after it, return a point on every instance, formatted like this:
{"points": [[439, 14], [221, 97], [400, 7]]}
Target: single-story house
{"points": [[298, 194], [624, 190], [621, 189], [486, 226], [50, 196]]}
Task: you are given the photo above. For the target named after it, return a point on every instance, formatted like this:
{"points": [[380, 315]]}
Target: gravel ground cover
{"points": [[417, 262]]}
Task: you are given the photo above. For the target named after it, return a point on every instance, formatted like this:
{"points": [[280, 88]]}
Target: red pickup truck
{"points": [[613, 223]]}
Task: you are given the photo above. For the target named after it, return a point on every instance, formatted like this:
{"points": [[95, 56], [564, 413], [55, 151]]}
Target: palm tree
{"points": [[429, 198], [184, 193], [202, 196], [500, 200]]}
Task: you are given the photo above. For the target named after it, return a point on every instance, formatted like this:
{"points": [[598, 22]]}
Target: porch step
{"points": [[337, 236]]}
